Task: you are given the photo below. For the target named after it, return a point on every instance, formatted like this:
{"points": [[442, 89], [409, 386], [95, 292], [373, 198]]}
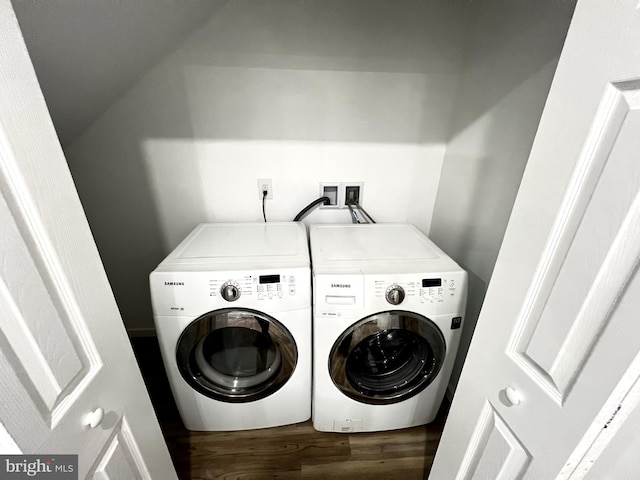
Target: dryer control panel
{"points": [[267, 287], [195, 293]]}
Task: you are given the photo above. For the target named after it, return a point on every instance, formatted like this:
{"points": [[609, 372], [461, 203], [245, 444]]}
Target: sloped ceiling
{"points": [[87, 53]]}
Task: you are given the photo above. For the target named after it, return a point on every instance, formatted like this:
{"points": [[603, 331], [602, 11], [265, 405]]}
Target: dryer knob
{"points": [[394, 294], [230, 292]]}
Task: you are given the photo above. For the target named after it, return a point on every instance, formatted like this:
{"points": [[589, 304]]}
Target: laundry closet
{"points": [[431, 104]]}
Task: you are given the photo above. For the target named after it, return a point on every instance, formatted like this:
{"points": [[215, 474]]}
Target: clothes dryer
{"points": [[232, 309], [388, 310]]}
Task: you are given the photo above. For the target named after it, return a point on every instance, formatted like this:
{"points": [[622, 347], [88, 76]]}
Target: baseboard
{"points": [[141, 332]]}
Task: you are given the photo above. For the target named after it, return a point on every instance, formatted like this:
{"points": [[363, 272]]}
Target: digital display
{"points": [[269, 279], [431, 282]]}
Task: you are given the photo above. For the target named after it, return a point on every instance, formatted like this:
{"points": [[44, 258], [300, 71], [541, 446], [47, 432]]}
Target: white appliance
{"points": [[232, 309], [388, 308]]}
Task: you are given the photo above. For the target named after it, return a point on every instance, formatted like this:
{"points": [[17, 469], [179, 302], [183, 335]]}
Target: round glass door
{"points": [[387, 357], [236, 355]]}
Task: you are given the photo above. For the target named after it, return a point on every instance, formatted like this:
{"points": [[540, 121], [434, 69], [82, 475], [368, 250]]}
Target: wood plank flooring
{"points": [[294, 451]]}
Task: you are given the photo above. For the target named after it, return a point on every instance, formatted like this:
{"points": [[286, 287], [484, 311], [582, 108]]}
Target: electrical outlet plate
{"points": [[353, 191], [265, 184], [338, 191], [332, 191]]}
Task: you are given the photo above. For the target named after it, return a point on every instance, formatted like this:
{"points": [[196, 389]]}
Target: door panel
{"points": [[120, 457], [58, 362], [610, 446], [551, 370], [495, 451], [591, 253], [64, 352]]}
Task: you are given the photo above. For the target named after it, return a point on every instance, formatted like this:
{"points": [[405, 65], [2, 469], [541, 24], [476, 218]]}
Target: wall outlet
{"points": [[330, 190], [353, 193], [341, 193], [265, 184]]}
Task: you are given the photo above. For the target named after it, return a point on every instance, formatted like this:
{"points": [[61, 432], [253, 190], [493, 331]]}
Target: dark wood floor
{"points": [[295, 451]]}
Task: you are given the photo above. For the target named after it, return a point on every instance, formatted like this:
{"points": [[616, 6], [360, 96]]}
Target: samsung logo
{"points": [[340, 285], [174, 283]]}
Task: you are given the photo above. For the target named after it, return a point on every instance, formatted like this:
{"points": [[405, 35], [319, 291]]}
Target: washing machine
{"points": [[232, 310], [388, 310]]}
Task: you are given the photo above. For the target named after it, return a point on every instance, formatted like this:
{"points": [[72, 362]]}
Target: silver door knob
{"points": [[513, 396], [93, 419]]}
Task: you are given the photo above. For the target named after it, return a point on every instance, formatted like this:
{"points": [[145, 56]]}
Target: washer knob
{"points": [[230, 292], [394, 294]]}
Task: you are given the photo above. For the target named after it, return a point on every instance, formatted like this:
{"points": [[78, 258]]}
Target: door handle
{"points": [[93, 419], [514, 397]]}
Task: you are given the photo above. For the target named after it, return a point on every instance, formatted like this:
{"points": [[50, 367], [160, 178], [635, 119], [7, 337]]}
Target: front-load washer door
{"points": [[236, 355], [387, 357]]}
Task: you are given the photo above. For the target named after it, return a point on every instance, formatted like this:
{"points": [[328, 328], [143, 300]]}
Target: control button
{"points": [[279, 294], [292, 279], [394, 294], [230, 291], [292, 290], [270, 295], [456, 322], [261, 296]]}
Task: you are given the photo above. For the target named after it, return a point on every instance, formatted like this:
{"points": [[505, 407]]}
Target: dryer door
{"points": [[236, 355], [387, 357]]}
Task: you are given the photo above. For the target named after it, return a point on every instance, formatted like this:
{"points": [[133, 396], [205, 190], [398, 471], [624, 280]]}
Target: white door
{"points": [[64, 354], [550, 386]]}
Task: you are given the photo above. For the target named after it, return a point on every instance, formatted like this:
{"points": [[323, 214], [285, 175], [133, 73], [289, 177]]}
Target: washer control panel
{"points": [[395, 291], [437, 289], [351, 295]]}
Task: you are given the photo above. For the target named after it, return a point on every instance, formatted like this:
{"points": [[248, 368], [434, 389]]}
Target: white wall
{"points": [[217, 181], [507, 74], [299, 92]]}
